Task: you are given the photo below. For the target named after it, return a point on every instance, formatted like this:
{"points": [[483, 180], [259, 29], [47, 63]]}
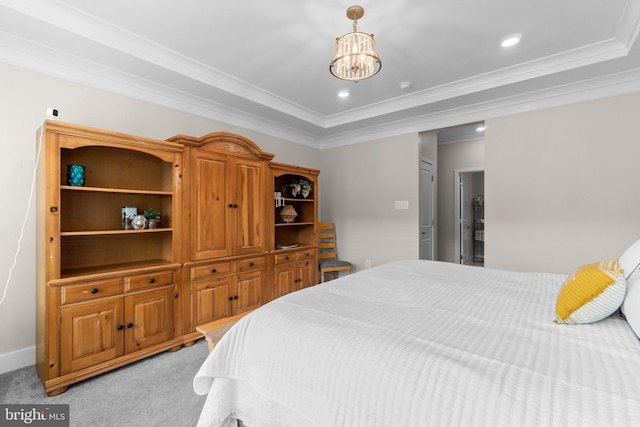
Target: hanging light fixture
{"points": [[355, 58]]}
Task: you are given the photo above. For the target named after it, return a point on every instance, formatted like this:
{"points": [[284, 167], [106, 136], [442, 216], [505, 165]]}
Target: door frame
{"points": [[457, 203], [432, 206]]}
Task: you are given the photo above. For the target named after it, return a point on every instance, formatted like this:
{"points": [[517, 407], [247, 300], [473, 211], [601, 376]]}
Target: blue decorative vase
{"points": [[75, 175]]}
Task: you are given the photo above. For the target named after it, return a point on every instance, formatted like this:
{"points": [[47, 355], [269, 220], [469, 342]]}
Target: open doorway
{"points": [[458, 149], [427, 210], [469, 216]]}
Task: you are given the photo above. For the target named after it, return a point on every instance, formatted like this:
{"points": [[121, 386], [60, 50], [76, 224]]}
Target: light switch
{"points": [[402, 204]]}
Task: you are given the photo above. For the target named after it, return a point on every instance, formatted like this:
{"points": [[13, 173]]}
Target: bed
{"points": [[423, 343]]}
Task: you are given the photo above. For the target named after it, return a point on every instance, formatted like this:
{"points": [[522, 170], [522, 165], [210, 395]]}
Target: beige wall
{"points": [[25, 98], [359, 185], [429, 145], [459, 155], [560, 185]]}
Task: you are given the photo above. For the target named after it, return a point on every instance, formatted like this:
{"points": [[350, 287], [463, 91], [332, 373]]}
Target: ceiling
{"points": [[264, 65]]}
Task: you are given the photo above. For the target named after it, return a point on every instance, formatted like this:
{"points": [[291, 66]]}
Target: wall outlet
{"points": [[367, 263], [402, 204]]}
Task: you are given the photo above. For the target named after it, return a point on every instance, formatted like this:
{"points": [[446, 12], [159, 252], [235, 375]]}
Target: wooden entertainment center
{"points": [[107, 293]]}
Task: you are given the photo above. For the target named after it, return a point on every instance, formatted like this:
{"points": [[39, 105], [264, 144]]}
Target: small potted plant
{"points": [[300, 187], [153, 217]]}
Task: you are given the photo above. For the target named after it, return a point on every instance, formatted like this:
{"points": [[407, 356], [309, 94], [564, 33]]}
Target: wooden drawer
{"points": [[286, 257], [250, 264], [307, 254], [295, 256], [148, 280], [90, 290], [211, 270]]}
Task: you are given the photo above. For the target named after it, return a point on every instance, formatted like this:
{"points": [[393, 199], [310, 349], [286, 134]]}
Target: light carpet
{"points": [[156, 391]]}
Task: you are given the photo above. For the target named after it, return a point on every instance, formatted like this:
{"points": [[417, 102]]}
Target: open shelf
{"points": [[109, 232], [72, 274], [302, 230], [117, 173], [115, 190], [300, 246]]}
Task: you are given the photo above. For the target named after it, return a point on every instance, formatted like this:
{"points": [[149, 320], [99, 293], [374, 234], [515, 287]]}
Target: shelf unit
{"points": [[302, 231], [294, 244], [91, 231], [105, 295]]}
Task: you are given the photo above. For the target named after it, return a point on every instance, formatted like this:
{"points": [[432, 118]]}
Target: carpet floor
{"points": [[154, 392]]}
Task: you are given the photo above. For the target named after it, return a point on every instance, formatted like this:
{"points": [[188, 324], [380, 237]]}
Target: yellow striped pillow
{"points": [[592, 293]]}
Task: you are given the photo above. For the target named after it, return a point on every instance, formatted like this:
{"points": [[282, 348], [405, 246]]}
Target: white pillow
{"points": [[631, 305], [592, 293], [630, 259]]}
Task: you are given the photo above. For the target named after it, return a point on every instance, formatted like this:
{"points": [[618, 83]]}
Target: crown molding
{"points": [[553, 64], [586, 90], [314, 131], [35, 57], [70, 19], [88, 26], [41, 59]]}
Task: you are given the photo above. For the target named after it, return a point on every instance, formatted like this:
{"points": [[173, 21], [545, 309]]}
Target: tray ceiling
{"points": [[265, 65]]}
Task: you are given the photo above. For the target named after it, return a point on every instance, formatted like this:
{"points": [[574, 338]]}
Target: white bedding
{"points": [[422, 343]]}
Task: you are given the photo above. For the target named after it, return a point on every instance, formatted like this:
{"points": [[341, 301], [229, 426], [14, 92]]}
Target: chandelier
{"points": [[355, 58]]}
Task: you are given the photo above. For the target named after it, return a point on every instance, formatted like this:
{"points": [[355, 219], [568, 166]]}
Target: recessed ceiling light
{"points": [[511, 41], [343, 94], [406, 85]]}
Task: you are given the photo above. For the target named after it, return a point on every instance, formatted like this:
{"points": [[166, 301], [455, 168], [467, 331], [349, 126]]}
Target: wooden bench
{"points": [[215, 330]]}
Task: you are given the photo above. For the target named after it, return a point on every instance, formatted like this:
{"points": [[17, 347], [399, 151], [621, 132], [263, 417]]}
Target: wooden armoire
{"points": [[226, 248]]}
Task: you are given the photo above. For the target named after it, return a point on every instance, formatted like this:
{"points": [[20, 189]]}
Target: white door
{"points": [[465, 221], [426, 210], [468, 182]]}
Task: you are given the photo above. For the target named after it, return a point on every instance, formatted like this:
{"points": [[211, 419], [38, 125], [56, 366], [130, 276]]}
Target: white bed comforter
{"points": [[422, 343]]}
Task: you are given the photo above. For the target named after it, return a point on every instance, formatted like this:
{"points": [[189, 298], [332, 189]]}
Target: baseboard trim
{"points": [[17, 359]]}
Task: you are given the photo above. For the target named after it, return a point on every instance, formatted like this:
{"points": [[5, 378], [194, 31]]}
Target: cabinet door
{"points": [[148, 318], [250, 229], [307, 273], [210, 206], [248, 291], [285, 279], [91, 333], [209, 300]]}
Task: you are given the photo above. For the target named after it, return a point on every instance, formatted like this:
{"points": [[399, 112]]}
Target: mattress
{"points": [[422, 343]]}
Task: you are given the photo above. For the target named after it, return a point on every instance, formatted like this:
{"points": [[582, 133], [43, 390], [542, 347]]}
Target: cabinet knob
{"points": [[152, 280], [213, 270], [250, 264], [230, 205], [120, 327], [235, 206], [94, 290], [235, 297], [129, 325], [230, 298]]}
